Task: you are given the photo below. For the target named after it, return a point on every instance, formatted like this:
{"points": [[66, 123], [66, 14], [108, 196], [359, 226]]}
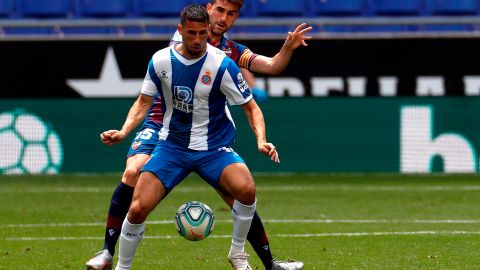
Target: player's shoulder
{"points": [[162, 54], [217, 54], [232, 43]]}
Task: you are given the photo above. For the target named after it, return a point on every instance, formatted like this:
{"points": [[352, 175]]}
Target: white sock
{"points": [[130, 237], [242, 219]]}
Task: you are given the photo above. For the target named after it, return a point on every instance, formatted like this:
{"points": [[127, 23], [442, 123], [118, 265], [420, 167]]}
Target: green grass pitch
{"points": [[338, 221]]}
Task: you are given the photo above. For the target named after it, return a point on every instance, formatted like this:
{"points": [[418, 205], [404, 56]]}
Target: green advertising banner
{"points": [[407, 135]]}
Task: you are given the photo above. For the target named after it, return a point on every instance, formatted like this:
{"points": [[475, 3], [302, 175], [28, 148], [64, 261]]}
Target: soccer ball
{"points": [[28, 145], [194, 220]]}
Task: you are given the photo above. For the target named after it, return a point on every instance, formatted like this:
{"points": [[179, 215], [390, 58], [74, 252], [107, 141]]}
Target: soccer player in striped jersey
{"points": [[195, 81], [221, 12]]}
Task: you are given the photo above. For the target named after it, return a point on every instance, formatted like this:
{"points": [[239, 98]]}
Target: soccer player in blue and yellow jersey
{"points": [[223, 14]]}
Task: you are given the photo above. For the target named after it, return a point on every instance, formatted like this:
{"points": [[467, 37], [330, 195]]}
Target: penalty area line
{"points": [[308, 235]]}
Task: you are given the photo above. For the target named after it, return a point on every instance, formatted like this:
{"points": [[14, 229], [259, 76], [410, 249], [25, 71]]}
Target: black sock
{"points": [[119, 204], [259, 241]]}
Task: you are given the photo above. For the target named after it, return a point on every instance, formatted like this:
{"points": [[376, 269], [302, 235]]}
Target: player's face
{"points": [[194, 38], [222, 16]]}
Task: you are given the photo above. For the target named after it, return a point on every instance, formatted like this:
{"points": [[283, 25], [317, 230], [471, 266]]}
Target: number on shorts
{"points": [[145, 134]]}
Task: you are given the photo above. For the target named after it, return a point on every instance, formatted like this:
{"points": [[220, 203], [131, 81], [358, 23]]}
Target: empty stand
{"points": [[278, 8], [397, 7], [337, 7], [452, 7], [103, 8], [40, 8], [159, 8], [7, 8]]}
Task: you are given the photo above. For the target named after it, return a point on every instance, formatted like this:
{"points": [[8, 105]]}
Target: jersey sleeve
{"points": [[246, 56], [149, 87], [176, 39], [234, 86]]}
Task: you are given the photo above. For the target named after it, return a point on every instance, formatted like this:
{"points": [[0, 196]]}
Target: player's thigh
{"points": [[133, 167], [139, 152], [237, 181], [148, 193], [168, 164]]}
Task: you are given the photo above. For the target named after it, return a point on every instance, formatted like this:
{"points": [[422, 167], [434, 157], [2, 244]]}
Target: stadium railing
{"points": [[259, 28]]}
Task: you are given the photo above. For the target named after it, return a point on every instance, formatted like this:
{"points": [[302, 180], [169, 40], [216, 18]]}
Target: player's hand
{"points": [[297, 37], [269, 150], [110, 137]]}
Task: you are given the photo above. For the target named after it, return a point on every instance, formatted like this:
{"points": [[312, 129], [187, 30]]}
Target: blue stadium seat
{"points": [[396, 7], [278, 8], [44, 8], [7, 8], [453, 7], [34, 31], [94, 30], [103, 8], [159, 8], [337, 7]]}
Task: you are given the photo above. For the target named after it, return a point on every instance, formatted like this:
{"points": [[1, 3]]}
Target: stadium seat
{"points": [[159, 8], [336, 7], [33, 31], [453, 7], [103, 8], [7, 8], [44, 8], [396, 7], [278, 8]]}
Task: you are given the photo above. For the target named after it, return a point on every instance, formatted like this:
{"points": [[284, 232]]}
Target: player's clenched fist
{"points": [[110, 137]]}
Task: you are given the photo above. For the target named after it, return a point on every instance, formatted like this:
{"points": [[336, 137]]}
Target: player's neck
{"points": [[180, 48], [215, 39]]}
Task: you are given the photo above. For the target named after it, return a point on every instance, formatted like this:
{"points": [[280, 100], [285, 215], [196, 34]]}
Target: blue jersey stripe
{"points": [[184, 80], [219, 124]]}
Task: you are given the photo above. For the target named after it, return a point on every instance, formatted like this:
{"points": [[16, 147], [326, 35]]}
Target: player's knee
{"points": [[130, 176], [246, 195]]}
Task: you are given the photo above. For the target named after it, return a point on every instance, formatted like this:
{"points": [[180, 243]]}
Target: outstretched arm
{"points": [[135, 116], [257, 123], [275, 65]]}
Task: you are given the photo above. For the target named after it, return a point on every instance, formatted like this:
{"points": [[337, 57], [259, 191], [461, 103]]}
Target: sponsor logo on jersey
{"points": [[136, 144], [206, 78], [242, 84], [163, 74], [183, 99]]}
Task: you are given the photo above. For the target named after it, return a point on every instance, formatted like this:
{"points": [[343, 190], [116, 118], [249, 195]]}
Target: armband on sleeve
{"points": [[246, 58]]}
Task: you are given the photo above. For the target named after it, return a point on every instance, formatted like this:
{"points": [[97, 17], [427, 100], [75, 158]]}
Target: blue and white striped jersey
{"points": [[195, 94]]}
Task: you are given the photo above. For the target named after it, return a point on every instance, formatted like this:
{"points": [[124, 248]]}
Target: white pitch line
{"points": [[425, 188], [308, 235], [313, 221]]}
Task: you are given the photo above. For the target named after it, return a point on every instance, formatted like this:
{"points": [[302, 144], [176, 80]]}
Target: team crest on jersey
{"points": [[242, 84], [136, 144], [206, 78], [183, 99], [227, 51]]}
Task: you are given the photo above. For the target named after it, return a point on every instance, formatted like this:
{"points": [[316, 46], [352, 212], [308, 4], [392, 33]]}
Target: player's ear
{"points": [[209, 7], [179, 28]]}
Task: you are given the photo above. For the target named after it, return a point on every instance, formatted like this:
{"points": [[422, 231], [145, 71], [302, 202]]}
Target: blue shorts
{"points": [[172, 164], [144, 143]]}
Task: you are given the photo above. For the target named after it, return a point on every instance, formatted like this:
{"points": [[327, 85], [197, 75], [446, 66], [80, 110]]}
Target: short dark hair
{"points": [[194, 12], [238, 2]]}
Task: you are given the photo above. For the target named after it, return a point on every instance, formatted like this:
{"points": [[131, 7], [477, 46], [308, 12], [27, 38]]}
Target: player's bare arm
{"points": [[275, 65], [257, 123], [135, 116]]}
